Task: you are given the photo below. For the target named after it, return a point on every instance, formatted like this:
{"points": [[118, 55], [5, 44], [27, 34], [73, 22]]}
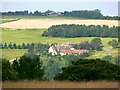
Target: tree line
{"points": [[94, 44], [87, 14], [72, 31], [93, 14], [16, 46]]}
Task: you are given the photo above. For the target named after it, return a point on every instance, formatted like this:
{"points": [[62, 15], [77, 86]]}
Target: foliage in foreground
{"points": [[90, 69], [24, 68]]}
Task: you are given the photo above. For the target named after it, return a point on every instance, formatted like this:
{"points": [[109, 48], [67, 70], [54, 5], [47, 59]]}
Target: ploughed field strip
{"points": [[46, 23]]}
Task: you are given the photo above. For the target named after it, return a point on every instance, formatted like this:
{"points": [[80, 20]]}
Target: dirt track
{"points": [[46, 23]]}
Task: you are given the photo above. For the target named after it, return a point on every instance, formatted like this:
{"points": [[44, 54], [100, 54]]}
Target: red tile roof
{"points": [[73, 51]]}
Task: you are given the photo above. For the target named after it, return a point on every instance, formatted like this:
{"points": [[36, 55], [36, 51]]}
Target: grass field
{"points": [[4, 21], [56, 84], [12, 53], [34, 35], [101, 54], [38, 17], [8, 20]]}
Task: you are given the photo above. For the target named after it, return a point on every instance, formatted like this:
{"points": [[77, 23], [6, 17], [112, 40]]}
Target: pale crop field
{"points": [[47, 22], [64, 84]]}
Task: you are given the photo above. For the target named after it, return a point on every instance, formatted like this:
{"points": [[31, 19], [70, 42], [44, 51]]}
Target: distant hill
{"points": [[85, 14]]}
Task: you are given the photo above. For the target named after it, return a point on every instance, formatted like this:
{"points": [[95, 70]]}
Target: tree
{"points": [[113, 43], [1, 45], [97, 42], [29, 68], [107, 58], [10, 45], [5, 45], [14, 46], [51, 69], [23, 46], [19, 46], [117, 60], [89, 69], [8, 73]]}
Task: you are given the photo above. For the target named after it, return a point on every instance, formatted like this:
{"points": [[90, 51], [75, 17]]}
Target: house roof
{"points": [[73, 51]]}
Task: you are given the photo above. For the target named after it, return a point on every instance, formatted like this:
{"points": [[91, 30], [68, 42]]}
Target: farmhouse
{"points": [[64, 49], [51, 13]]}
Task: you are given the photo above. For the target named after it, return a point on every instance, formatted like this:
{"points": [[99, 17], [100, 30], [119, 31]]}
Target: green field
{"points": [[34, 35], [40, 17], [8, 20], [4, 21], [12, 53], [101, 54]]}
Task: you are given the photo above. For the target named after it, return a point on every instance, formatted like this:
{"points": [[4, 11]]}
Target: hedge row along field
{"points": [[72, 31]]}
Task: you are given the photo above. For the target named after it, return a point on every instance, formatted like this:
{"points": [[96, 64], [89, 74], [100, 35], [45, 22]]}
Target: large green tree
{"points": [[113, 43], [29, 68], [97, 42], [85, 70], [8, 73]]}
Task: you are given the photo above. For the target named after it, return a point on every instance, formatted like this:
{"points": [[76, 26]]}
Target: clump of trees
{"points": [[95, 44], [113, 43], [89, 69], [93, 14], [107, 58], [15, 46], [72, 31], [24, 68], [8, 73]]}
